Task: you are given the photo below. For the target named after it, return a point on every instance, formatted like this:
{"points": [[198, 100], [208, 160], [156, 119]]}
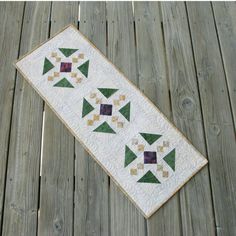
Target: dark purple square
{"points": [[150, 158], [65, 67], [106, 109]]}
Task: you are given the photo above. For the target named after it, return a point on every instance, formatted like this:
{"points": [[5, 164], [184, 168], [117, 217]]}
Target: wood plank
{"points": [[219, 128], [11, 19], [195, 197], [21, 199], [225, 19], [91, 182], [152, 70], [125, 218], [56, 196]]}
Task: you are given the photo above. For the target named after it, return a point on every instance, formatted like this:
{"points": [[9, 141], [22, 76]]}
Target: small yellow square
{"points": [[114, 118], [73, 74], [75, 59], [140, 147], [92, 95], [120, 124], [166, 143], [53, 54], [50, 78], [56, 74], [58, 59], [90, 122], [165, 174], [134, 141], [159, 167], [96, 117], [133, 171], [98, 100], [78, 80], [140, 166], [81, 56], [160, 148], [122, 97], [116, 102]]}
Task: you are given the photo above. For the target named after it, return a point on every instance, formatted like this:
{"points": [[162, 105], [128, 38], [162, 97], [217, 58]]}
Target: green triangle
{"points": [[63, 83], [47, 66], [170, 159], [129, 156], [107, 92], [87, 108], [67, 51], [104, 128], [150, 138], [149, 177], [84, 68], [125, 111]]}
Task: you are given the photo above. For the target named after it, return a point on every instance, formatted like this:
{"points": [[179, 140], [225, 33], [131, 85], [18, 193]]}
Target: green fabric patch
{"points": [[84, 68], [149, 177], [125, 111], [87, 108], [150, 138], [104, 128], [64, 83], [129, 156], [67, 51], [170, 159], [107, 92], [47, 66]]}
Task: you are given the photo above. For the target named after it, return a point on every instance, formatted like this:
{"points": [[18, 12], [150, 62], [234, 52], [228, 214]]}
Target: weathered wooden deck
{"points": [[183, 56]]}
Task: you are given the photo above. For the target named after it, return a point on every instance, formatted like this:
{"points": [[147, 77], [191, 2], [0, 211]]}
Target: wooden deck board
{"points": [[182, 57], [91, 182]]}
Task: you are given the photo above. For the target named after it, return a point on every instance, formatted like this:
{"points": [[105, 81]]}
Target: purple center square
{"points": [[150, 158], [65, 67], [106, 109]]}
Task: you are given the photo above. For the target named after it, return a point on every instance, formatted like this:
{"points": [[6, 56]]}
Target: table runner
{"points": [[135, 144]]}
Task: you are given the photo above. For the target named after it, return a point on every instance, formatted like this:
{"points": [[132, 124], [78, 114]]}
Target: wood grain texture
{"points": [[195, 196], [57, 180], [217, 115], [11, 19], [225, 19], [21, 205], [152, 71], [125, 218], [91, 182]]}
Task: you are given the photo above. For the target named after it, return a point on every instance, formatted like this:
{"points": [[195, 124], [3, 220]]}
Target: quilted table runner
{"points": [[144, 154]]}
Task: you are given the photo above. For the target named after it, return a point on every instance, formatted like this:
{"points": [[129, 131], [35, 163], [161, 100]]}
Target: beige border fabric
{"points": [[135, 144]]}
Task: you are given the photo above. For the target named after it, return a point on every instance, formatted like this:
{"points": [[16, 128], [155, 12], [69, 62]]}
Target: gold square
{"points": [[134, 141], [98, 100], [96, 117], [159, 167], [75, 59], [81, 56], [92, 95], [140, 147], [56, 74], [116, 102], [53, 54], [160, 148], [122, 97], [120, 124], [89, 122], [140, 166], [78, 80], [166, 143], [73, 74], [50, 78], [58, 59], [165, 174], [114, 118], [133, 171]]}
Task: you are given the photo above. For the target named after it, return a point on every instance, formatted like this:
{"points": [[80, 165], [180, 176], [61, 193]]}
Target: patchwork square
{"points": [[124, 132]]}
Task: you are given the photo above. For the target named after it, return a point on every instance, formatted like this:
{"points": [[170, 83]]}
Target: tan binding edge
{"points": [[85, 147]]}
